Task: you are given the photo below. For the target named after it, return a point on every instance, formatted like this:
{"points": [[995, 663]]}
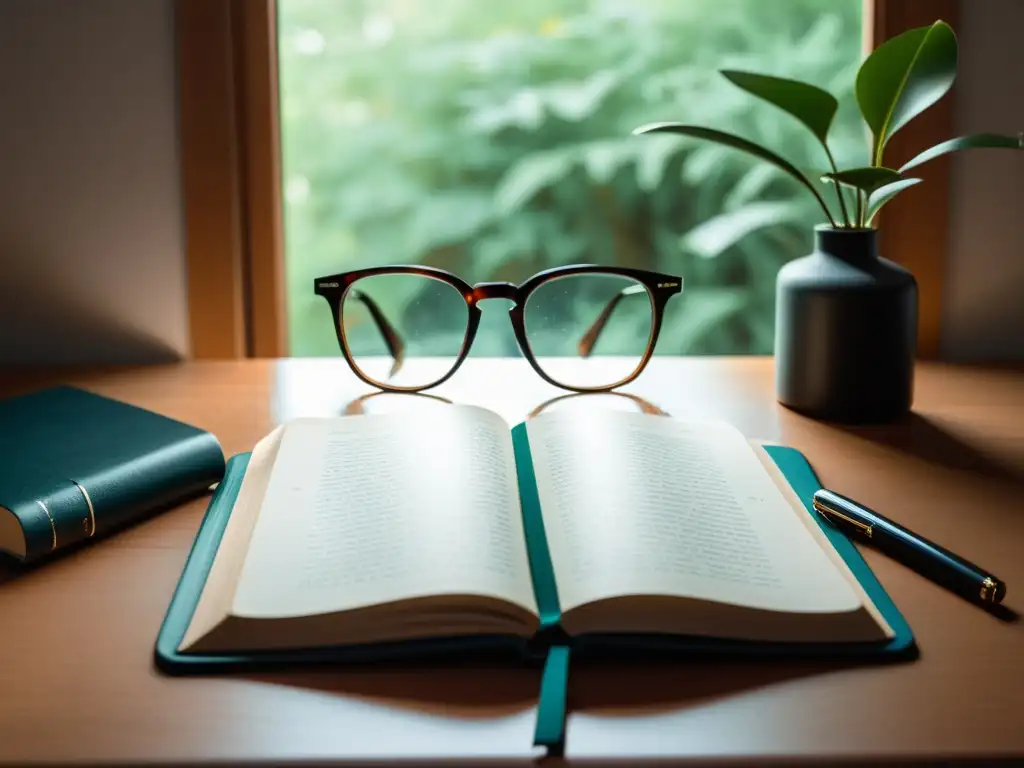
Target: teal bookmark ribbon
{"points": [[554, 684], [550, 728], [541, 571]]}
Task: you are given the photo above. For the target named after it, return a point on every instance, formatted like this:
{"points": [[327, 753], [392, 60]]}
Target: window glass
{"points": [[493, 139]]}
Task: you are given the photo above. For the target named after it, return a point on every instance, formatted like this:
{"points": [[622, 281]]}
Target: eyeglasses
{"points": [[384, 316]]}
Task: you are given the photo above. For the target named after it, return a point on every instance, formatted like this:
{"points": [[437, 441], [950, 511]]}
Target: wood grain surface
{"points": [[79, 686]]}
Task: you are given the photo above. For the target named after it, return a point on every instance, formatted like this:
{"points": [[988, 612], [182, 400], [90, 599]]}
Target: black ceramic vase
{"points": [[845, 331]]}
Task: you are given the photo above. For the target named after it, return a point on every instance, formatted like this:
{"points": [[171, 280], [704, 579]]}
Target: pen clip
{"points": [[864, 528]]}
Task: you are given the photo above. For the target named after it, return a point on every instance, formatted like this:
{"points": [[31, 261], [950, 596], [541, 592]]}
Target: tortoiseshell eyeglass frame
{"points": [[336, 288]]}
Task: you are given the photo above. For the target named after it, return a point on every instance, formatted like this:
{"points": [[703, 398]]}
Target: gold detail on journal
{"points": [[53, 526], [88, 524]]}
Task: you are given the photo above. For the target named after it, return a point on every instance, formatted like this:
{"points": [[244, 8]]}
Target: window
{"points": [[493, 139]]}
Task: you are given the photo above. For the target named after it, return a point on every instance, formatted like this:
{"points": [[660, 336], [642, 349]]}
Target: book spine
{"points": [[82, 508], [58, 519]]}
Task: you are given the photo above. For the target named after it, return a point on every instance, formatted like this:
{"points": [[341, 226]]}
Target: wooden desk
{"points": [[78, 684]]}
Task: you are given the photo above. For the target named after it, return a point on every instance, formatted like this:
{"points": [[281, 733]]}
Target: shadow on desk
{"points": [[927, 439], [470, 692], [489, 692], [649, 688]]}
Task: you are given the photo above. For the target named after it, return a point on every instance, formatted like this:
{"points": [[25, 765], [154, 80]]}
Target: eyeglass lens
{"points": [[403, 330], [588, 330]]}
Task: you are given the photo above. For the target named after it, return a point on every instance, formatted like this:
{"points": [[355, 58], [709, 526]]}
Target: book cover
{"points": [[794, 466], [184, 643], [75, 465]]}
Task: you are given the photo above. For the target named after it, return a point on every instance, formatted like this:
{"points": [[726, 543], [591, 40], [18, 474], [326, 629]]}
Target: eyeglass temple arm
{"points": [[591, 335], [391, 338]]}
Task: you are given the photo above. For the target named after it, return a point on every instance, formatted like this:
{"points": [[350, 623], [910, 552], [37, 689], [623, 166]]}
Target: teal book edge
{"points": [[551, 646], [551, 712]]}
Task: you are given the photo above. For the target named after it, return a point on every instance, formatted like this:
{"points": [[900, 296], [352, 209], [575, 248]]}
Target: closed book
{"points": [[75, 465]]}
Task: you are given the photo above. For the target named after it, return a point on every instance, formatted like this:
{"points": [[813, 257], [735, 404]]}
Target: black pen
{"points": [[925, 557]]}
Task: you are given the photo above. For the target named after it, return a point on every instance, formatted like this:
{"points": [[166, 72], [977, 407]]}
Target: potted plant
{"points": [[846, 319]]}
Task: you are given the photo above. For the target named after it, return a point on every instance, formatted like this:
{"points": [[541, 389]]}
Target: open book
{"points": [[447, 522]]}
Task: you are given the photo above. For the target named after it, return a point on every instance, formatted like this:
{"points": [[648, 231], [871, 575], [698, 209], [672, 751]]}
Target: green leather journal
{"points": [[75, 465], [445, 536]]}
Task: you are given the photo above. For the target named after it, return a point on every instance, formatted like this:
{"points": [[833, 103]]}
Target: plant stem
{"points": [[817, 196], [876, 152], [852, 205], [860, 208], [824, 207], [839, 191]]}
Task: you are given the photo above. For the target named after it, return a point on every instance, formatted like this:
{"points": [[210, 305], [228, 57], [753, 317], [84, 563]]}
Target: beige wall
{"points": [[91, 246], [984, 311]]}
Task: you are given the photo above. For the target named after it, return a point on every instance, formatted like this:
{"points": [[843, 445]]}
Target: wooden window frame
{"points": [[907, 233], [231, 176]]}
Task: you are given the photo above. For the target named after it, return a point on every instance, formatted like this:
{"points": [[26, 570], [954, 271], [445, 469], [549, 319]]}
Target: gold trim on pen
{"points": [[988, 590], [92, 512], [864, 528], [53, 526]]}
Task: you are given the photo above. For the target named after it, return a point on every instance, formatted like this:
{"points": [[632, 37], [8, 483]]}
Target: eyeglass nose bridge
{"points": [[498, 290]]}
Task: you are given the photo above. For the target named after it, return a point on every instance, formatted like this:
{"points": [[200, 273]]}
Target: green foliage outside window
{"points": [[494, 139]]}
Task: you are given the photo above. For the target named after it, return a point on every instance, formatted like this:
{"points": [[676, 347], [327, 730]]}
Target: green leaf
{"points": [[528, 177], [885, 193], [737, 142], [652, 161], [809, 104], [447, 218], [903, 77], [716, 235], [974, 141], [750, 186], [704, 310], [865, 179], [602, 159], [706, 163]]}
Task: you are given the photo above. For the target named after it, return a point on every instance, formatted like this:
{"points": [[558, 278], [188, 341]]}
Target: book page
{"points": [[642, 505], [12, 537], [373, 509], [218, 592], [809, 522]]}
